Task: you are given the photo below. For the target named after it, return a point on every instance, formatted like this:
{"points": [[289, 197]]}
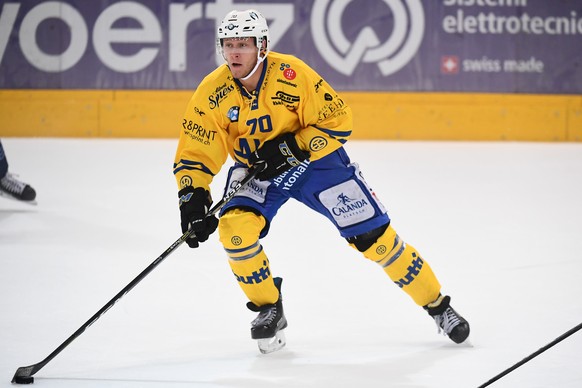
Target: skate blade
{"points": [[270, 345], [467, 343], [8, 196]]}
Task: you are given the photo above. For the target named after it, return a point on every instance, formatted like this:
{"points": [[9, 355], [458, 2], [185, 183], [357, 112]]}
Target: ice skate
{"points": [[15, 189], [267, 327], [448, 321]]}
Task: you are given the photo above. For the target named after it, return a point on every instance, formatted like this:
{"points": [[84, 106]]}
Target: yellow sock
{"points": [[239, 233], [404, 265]]}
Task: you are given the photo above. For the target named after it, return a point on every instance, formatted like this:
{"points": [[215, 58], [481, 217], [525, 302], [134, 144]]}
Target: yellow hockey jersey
{"points": [[223, 118]]}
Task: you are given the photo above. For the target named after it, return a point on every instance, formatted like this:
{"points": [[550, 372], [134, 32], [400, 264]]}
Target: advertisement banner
{"points": [[488, 46]]}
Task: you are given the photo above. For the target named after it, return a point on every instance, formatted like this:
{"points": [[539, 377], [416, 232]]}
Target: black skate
{"points": [[448, 321], [15, 189], [267, 327]]}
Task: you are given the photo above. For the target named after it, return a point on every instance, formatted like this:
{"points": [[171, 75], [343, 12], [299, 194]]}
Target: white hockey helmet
{"points": [[245, 24]]}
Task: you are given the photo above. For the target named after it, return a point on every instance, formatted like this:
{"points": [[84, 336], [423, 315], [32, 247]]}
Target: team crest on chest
{"points": [[232, 114]]}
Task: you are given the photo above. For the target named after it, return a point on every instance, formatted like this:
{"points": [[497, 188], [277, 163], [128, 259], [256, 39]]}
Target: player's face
{"points": [[240, 54]]}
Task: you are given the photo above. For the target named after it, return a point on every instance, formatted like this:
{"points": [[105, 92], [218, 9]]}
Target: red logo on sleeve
{"points": [[290, 74]]}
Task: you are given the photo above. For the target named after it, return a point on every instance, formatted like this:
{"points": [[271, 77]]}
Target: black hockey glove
{"points": [[194, 204], [279, 155]]}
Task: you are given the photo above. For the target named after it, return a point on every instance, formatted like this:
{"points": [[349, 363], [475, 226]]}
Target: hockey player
{"points": [[12, 187], [271, 108]]}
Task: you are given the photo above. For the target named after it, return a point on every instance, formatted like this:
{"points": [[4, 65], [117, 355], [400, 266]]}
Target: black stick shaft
{"points": [[534, 354], [27, 371]]}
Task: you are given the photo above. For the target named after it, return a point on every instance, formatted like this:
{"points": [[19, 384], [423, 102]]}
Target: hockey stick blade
{"points": [[534, 354], [24, 374]]}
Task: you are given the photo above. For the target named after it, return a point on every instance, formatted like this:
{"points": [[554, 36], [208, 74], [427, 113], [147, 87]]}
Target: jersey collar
{"points": [[245, 92]]}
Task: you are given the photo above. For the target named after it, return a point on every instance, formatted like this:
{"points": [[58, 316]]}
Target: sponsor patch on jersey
{"points": [[219, 94], [318, 85], [347, 203], [288, 72], [199, 111], [334, 108], [185, 181], [317, 143], [282, 81], [266, 79], [285, 99], [198, 133], [232, 114]]}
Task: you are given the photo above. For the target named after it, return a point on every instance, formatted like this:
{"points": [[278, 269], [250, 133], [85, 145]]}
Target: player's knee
{"points": [[364, 241], [381, 245], [239, 228]]}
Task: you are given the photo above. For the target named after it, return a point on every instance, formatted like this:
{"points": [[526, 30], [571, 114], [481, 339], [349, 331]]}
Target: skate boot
{"points": [[448, 321], [12, 187], [267, 327]]}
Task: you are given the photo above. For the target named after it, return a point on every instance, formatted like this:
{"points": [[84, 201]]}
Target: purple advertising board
{"points": [[489, 46]]}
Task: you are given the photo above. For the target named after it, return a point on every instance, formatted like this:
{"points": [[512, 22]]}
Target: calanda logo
{"points": [[348, 205]]}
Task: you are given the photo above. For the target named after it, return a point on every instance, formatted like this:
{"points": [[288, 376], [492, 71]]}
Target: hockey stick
{"points": [[24, 374], [534, 354]]}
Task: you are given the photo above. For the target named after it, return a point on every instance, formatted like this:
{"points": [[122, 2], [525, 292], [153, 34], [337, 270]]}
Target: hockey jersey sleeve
{"points": [[326, 119], [202, 148]]}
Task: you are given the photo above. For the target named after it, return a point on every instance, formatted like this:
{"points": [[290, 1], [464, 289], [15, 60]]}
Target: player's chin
{"points": [[237, 71]]}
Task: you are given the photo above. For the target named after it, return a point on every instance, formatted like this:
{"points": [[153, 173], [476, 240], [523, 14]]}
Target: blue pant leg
{"points": [[336, 189], [262, 197]]}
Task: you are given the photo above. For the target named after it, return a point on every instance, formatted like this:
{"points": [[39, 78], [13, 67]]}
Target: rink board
{"points": [[377, 115]]}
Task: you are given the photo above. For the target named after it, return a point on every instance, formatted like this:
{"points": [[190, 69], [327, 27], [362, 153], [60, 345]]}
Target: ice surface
{"points": [[500, 223]]}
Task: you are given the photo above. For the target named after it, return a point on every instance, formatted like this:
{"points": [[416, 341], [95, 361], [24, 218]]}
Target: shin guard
{"points": [[239, 233], [405, 267]]}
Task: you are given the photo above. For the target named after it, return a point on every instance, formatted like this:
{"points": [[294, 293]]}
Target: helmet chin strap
{"points": [[259, 61]]}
